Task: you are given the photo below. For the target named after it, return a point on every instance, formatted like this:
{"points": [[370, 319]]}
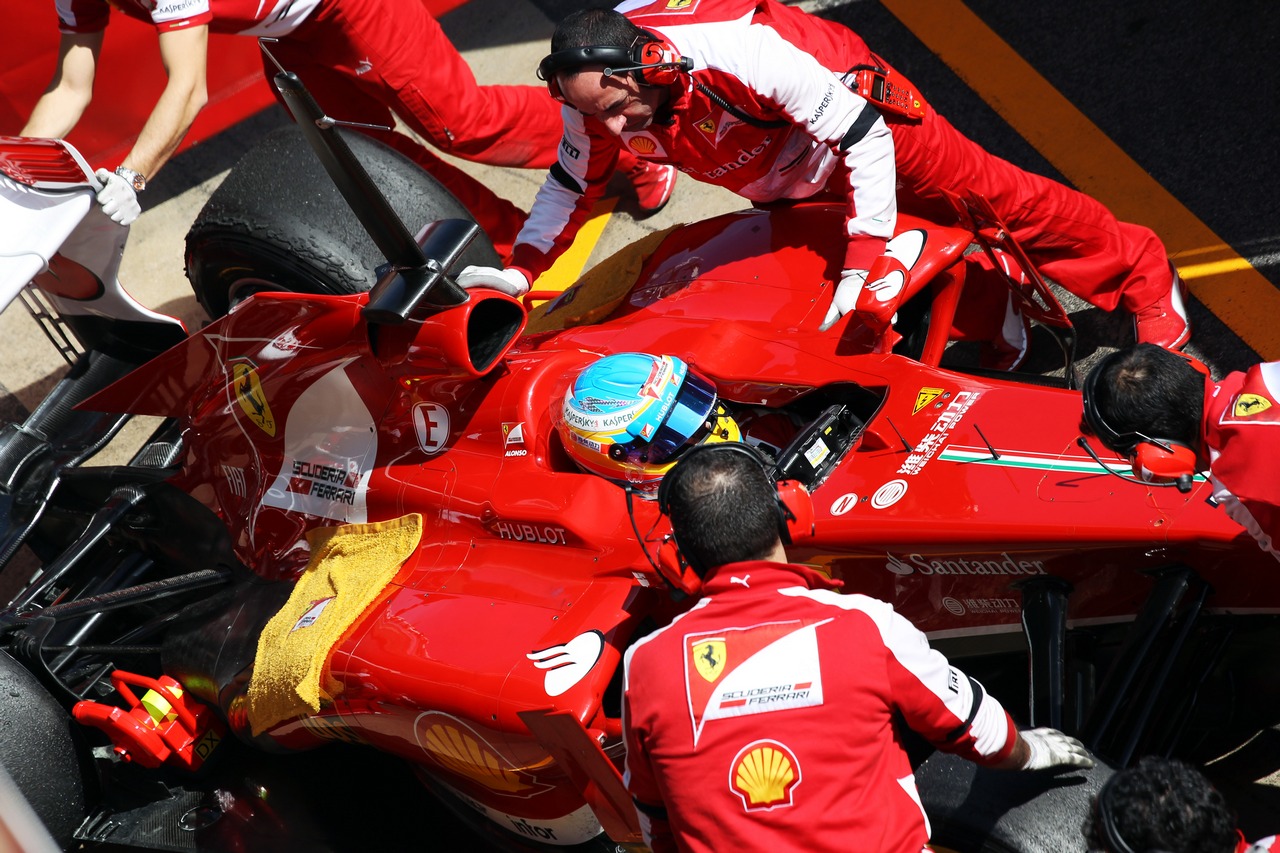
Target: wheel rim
{"points": [[243, 288]]}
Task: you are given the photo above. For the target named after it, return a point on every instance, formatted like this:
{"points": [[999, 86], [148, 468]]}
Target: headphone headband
{"points": [[649, 61], [1106, 811], [1122, 442], [1110, 436], [576, 57], [1155, 459]]}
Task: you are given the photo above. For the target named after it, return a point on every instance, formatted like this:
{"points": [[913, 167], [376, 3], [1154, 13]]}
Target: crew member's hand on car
{"points": [[117, 197], [845, 298], [1051, 748], [509, 281]]}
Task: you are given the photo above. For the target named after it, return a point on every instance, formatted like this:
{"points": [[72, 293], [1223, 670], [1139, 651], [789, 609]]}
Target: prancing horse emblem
{"points": [[709, 659]]}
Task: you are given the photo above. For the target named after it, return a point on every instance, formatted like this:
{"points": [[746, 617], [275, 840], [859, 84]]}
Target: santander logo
{"points": [[898, 567]]}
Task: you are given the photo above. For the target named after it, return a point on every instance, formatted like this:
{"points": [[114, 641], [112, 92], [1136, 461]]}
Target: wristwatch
{"points": [[138, 180]]}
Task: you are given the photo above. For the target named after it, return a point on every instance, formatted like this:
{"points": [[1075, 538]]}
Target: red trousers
{"points": [[365, 59], [1072, 238]]}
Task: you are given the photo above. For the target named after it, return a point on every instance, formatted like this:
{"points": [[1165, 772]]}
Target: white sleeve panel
{"points": [[985, 725], [555, 204], [812, 96], [1238, 511]]}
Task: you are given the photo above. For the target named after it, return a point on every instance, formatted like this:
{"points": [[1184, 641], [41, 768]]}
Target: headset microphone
{"points": [[650, 63], [1182, 482], [681, 63]]}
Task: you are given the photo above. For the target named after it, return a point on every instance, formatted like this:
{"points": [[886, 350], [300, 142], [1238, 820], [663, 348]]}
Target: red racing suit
{"points": [[361, 59], [1242, 434], [764, 719], [766, 114]]}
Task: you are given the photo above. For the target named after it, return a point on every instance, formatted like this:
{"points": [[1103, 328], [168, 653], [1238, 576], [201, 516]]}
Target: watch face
{"points": [[138, 181]]}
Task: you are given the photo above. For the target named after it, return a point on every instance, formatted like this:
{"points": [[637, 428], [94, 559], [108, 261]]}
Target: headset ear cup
{"points": [[796, 507], [1156, 463], [659, 54], [675, 570]]}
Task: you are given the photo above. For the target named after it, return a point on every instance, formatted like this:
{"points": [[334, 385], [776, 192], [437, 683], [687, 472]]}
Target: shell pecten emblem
{"points": [[249, 393], [764, 775], [452, 744], [642, 144]]}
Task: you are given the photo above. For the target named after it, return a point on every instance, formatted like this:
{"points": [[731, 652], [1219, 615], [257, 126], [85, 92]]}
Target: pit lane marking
{"points": [[1225, 282], [568, 267]]}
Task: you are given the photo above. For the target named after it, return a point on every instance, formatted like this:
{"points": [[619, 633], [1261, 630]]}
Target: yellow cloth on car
{"points": [[600, 290], [350, 565]]}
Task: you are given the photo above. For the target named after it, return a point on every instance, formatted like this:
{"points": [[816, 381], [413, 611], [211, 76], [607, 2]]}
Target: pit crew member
{"points": [[756, 97], [1165, 804], [1166, 414], [766, 716], [361, 59]]}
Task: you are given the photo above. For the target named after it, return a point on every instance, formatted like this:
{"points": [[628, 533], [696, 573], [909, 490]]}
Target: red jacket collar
{"points": [[763, 574]]}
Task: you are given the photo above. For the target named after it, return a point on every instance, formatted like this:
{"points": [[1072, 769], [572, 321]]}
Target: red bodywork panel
{"points": [[129, 80], [296, 422]]}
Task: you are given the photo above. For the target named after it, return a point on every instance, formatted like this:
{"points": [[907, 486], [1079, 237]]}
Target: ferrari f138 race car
{"points": [[356, 522]]}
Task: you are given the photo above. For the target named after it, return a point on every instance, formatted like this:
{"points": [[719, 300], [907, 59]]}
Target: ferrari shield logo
{"points": [[709, 658], [1250, 404], [253, 400], [707, 125], [924, 397], [679, 4]]}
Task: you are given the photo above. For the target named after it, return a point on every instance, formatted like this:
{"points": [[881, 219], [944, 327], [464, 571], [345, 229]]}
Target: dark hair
{"points": [[1162, 803], [1150, 390], [723, 508], [602, 27]]}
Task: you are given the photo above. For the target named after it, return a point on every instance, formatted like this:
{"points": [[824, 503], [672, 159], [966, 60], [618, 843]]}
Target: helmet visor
{"points": [[684, 426]]}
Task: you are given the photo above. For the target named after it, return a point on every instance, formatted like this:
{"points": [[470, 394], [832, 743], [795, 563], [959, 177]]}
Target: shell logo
{"points": [[764, 775], [463, 753], [642, 144]]}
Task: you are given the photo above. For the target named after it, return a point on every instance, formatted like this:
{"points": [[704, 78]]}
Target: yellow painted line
{"points": [[568, 267], [1225, 282]]}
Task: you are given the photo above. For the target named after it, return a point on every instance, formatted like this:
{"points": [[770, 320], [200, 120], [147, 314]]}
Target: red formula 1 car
{"points": [[357, 524]]}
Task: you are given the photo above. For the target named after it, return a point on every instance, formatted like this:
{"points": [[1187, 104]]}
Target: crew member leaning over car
{"points": [[361, 59], [766, 717], [1164, 412], [755, 96]]}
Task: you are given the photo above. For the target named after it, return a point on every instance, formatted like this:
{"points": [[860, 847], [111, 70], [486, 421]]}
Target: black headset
{"points": [[650, 63], [1156, 460], [1106, 807], [679, 567]]}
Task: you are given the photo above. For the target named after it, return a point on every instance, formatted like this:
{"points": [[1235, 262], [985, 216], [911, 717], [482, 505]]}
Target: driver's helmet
{"points": [[629, 417]]}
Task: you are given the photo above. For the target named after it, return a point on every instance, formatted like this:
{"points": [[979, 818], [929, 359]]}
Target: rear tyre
{"points": [[279, 223], [39, 752], [973, 809]]}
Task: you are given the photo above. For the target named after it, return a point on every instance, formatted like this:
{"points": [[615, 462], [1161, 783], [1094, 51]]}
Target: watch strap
{"points": [[136, 179]]}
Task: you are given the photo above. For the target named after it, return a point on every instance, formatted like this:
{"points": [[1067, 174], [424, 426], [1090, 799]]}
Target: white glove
{"points": [[510, 282], [117, 197], [845, 298], [1052, 748]]}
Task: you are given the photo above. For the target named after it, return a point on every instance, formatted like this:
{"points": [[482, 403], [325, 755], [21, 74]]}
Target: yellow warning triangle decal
{"points": [[925, 397]]}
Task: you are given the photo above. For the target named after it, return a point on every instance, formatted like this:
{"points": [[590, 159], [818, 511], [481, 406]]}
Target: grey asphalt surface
{"points": [[1186, 89]]}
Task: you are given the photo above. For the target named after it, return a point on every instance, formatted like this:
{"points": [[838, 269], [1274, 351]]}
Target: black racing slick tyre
{"points": [[278, 223], [39, 753], [974, 809]]}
